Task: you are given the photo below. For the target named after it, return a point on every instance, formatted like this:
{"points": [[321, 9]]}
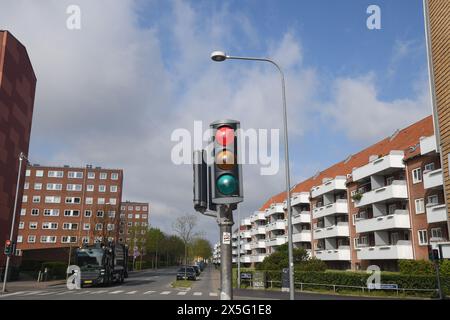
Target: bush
{"points": [[445, 268], [416, 267], [55, 270], [313, 264]]}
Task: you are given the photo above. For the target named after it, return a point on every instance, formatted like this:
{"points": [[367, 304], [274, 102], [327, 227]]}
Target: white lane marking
{"points": [[99, 291], [65, 292], [213, 294], [115, 292], [197, 293], [11, 294], [83, 292], [30, 293], [131, 292], [165, 292], [149, 292], [47, 293], [182, 293]]}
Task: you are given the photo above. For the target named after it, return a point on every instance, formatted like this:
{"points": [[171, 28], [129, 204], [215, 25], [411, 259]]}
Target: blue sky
{"points": [[111, 93]]}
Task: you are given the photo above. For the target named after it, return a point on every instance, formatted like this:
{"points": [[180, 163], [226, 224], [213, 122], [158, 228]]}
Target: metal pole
{"points": [[287, 171], [225, 220], [11, 235], [239, 252]]}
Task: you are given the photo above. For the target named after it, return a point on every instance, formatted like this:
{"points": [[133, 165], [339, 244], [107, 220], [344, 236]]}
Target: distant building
{"points": [[17, 90], [134, 222]]}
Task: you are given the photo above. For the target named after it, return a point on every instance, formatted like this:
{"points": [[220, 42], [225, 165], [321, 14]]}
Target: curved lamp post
{"points": [[219, 56]]}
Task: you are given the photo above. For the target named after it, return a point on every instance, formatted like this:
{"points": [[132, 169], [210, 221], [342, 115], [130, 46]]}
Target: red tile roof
{"points": [[401, 140]]}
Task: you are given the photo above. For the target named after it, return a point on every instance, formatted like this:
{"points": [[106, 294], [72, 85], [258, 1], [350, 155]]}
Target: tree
{"points": [[201, 248], [173, 248], [184, 227], [154, 238]]}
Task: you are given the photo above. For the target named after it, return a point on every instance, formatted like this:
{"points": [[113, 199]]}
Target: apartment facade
{"points": [[69, 206], [383, 204], [134, 222], [17, 91]]}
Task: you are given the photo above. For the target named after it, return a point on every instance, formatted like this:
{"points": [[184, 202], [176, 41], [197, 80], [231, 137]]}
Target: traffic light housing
{"points": [[433, 254], [226, 175], [9, 247], [200, 181]]}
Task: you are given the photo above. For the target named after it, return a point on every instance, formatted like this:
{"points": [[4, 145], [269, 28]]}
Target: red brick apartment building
{"points": [[17, 90], [134, 221], [383, 204], [69, 206]]}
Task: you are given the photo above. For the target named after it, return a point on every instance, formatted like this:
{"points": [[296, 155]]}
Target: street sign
{"points": [[259, 280], [382, 286], [246, 276], [285, 280], [226, 239]]}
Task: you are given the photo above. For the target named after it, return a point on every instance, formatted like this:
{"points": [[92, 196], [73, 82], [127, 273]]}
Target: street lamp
{"points": [[11, 235], [219, 56]]}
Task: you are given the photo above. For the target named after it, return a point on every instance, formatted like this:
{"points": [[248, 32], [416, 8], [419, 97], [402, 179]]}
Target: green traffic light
{"points": [[227, 184]]}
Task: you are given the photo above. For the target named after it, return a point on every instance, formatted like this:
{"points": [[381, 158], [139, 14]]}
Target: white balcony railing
{"points": [[337, 183], [277, 241], [258, 230], [246, 234], [339, 230], [256, 258], [401, 250], [246, 222], [433, 179], [299, 198], [436, 213], [302, 236], [340, 206], [274, 209], [397, 190], [427, 145], [303, 217], [277, 225], [246, 259], [259, 215], [398, 220], [260, 244], [340, 254], [393, 160], [246, 247]]}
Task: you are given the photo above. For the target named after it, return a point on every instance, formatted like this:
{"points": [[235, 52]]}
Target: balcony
{"points": [[398, 220], [246, 222], [258, 258], [391, 162], [340, 254], [274, 209], [246, 247], [260, 244], [246, 235], [277, 241], [302, 236], [427, 145], [397, 190], [303, 217], [436, 213], [433, 179], [337, 183], [277, 225], [259, 215], [340, 206], [298, 198], [339, 230], [401, 250], [246, 259], [258, 230]]}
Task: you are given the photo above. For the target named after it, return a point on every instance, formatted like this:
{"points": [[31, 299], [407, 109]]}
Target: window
{"points": [[68, 239], [436, 233], [54, 186], [130, 216], [21, 225], [100, 214], [73, 200], [113, 188], [34, 212], [103, 176], [130, 208], [123, 208], [70, 226], [19, 239], [355, 216], [85, 240], [433, 200], [101, 201], [122, 216], [33, 225], [423, 237], [137, 224], [112, 201], [112, 214], [24, 198], [102, 188], [55, 174], [75, 174], [90, 187], [420, 206], [130, 224], [73, 187], [144, 208], [98, 226], [23, 212], [389, 180], [71, 213], [52, 199], [87, 213], [36, 199], [91, 175], [86, 226], [417, 175], [114, 176], [144, 216], [110, 227], [50, 225], [144, 224], [429, 167], [51, 212], [392, 208], [89, 200], [137, 216], [39, 173], [31, 239], [26, 186], [27, 173]]}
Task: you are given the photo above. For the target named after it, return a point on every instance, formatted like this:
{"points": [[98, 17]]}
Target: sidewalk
{"points": [[15, 286]]}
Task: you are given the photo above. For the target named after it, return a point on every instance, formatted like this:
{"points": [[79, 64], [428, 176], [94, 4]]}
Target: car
{"points": [[186, 273], [197, 270], [201, 265]]}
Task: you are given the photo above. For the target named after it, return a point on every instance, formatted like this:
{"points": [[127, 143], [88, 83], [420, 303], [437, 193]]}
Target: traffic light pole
{"points": [[11, 235], [225, 221]]}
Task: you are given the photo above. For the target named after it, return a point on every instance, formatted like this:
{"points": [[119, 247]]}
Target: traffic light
{"points": [[226, 176], [200, 181], [9, 247], [433, 254]]}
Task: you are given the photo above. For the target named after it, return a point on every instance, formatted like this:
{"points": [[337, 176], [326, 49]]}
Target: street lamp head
{"points": [[218, 56]]}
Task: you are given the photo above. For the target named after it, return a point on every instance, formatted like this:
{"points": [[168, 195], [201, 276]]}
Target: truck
{"points": [[102, 264]]}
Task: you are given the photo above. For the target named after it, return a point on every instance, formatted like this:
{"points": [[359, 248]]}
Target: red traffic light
{"points": [[8, 242], [225, 135]]}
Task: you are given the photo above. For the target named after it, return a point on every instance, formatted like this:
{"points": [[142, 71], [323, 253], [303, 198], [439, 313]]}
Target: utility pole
{"points": [[225, 221], [239, 252]]}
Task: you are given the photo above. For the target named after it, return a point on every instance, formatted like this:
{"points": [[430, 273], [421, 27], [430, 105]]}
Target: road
{"points": [[156, 285]]}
